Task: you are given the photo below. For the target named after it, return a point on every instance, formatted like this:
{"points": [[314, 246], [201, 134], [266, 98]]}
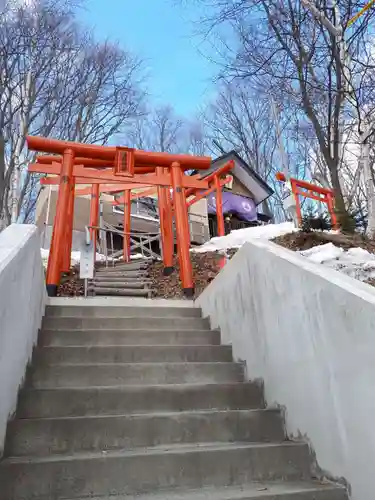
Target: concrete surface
{"points": [[22, 301], [121, 323], [70, 435], [257, 491], [132, 354], [308, 331], [102, 428], [118, 301], [130, 337], [147, 470], [115, 374], [115, 311], [41, 403], [45, 236]]}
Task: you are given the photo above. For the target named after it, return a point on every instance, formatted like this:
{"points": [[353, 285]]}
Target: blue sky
{"points": [[163, 33]]}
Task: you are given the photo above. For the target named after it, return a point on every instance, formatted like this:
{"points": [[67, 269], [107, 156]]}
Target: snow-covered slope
{"points": [[237, 238], [355, 262]]}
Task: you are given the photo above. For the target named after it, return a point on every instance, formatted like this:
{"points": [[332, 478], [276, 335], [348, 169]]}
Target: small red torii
{"points": [[311, 191]]}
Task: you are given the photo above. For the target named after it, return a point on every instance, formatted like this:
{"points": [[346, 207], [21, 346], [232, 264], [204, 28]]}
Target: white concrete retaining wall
{"points": [[22, 303], [309, 332]]}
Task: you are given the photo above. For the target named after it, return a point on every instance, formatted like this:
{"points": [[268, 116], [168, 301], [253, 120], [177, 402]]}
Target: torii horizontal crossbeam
{"points": [[36, 143], [105, 177]]}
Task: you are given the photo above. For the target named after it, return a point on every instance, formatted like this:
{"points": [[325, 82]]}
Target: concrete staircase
{"points": [[145, 404], [123, 279]]}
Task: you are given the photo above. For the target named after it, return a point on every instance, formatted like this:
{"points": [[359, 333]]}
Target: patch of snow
{"points": [[76, 257], [355, 262], [323, 253], [239, 237]]}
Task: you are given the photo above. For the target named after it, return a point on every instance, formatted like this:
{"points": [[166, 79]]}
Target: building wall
{"points": [[198, 218], [81, 211], [239, 188], [308, 331]]}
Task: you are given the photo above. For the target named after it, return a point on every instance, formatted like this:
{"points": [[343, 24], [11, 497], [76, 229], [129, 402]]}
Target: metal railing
{"points": [[138, 241]]}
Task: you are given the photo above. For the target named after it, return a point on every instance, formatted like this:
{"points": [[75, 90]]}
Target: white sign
{"points": [[86, 268]]}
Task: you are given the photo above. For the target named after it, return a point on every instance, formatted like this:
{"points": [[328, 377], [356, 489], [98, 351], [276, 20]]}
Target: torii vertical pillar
{"points": [[69, 230], [58, 234], [127, 224], [166, 225], [94, 213], [219, 208], [182, 230]]}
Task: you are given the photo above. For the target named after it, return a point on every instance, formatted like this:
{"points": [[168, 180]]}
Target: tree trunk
{"points": [[344, 219]]}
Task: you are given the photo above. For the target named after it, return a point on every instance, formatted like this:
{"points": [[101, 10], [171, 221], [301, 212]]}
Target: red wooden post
{"points": [[94, 213], [169, 231], [69, 230], [331, 210], [182, 230], [298, 206], [127, 224], [219, 208], [166, 225], [57, 248]]}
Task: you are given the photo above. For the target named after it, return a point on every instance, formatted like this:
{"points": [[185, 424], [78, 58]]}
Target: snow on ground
{"points": [[355, 262], [76, 257], [237, 238]]}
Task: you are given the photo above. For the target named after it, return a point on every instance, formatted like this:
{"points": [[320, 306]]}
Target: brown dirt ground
{"points": [[71, 285], [206, 266], [304, 240]]}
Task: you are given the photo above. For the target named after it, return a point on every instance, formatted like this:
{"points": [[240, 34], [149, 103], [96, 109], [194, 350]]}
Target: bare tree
{"points": [[56, 81], [241, 119], [283, 51], [158, 130]]}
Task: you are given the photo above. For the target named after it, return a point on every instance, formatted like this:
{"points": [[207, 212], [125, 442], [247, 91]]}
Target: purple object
{"points": [[241, 206]]}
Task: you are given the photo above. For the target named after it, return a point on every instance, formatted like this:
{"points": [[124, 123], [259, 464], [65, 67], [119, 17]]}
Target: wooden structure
{"points": [[216, 181], [103, 164], [313, 192]]}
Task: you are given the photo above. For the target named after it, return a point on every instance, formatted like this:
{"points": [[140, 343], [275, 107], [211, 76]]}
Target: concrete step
{"points": [[128, 337], [40, 403], [123, 311], [119, 374], [120, 279], [274, 490], [132, 354], [141, 264], [119, 284], [119, 273], [121, 292], [151, 470], [38, 437], [134, 264], [171, 323]]}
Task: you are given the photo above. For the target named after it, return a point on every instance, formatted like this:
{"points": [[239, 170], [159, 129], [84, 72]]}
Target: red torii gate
{"points": [[89, 175], [127, 165], [94, 190], [215, 183], [312, 191]]}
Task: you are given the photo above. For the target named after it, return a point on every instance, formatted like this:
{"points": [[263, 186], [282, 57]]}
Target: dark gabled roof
{"points": [[246, 167]]}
